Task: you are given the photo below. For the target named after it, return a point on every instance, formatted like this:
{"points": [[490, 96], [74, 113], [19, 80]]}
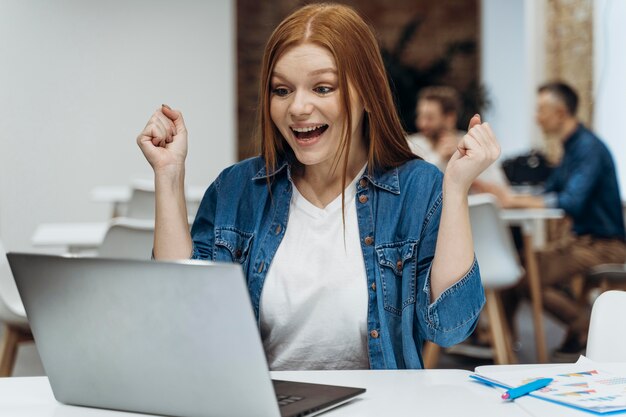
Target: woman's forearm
{"points": [[172, 239], [454, 252]]}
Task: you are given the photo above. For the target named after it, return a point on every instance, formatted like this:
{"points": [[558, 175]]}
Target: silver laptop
{"points": [[175, 339]]}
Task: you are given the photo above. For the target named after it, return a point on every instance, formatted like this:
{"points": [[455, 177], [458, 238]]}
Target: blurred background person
{"points": [[585, 186], [436, 118]]}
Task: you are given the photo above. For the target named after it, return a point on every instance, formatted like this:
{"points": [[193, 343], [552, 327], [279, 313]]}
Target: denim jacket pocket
{"points": [[232, 245], [397, 274]]}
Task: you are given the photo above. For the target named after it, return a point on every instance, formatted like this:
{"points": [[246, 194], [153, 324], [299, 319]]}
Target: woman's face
{"points": [[306, 108]]}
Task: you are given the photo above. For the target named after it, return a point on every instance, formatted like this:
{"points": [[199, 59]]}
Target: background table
{"points": [[76, 237], [527, 219], [119, 195]]}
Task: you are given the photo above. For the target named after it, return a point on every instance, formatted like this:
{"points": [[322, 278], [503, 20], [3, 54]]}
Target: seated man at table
{"points": [[436, 118], [585, 186]]}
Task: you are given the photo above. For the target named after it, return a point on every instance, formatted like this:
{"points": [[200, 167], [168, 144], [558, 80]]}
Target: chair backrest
{"points": [[141, 203], [607, 335], [128, 238], [11, 307], [493, 243]]}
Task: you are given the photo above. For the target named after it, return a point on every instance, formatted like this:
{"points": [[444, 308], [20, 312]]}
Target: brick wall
{"points": [[443, 23]]}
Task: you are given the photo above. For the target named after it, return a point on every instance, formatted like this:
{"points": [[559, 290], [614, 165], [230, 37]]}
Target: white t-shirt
{"points": [[314, 300], [420, 145]]}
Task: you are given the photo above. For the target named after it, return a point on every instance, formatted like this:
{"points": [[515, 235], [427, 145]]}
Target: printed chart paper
{"points": [[581, 385]]}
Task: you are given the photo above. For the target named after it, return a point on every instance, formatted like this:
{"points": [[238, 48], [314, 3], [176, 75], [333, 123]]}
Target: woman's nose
{"points": [[301, 104]]}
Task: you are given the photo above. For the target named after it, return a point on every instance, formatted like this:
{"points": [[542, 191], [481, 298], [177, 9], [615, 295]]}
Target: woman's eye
{"points": [[280, 91], [323, 90]]}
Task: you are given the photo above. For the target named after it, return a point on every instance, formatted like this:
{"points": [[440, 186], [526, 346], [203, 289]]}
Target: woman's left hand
{"points": [[477, 150]]}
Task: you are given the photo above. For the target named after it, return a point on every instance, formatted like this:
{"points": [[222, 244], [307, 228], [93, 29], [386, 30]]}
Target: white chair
{"points": [[606, 340], [141, 203], [16, 329], [499, 269], [128, 238]]}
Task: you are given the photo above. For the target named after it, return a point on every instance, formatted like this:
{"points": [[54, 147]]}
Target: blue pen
{"points": [[517, 392]]}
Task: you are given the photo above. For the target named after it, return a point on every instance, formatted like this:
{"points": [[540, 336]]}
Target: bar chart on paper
{"points": [[581, 385]]}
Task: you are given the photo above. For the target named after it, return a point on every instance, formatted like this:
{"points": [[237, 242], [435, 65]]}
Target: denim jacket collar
{"points": [[263, 174], [385, 180]]}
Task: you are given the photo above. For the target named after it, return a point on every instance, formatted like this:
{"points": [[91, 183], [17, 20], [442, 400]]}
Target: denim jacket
{"points": [[398, 213]]}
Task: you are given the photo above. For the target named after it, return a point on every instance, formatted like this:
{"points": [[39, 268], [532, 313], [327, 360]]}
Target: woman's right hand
{"points": [[164, 140]]}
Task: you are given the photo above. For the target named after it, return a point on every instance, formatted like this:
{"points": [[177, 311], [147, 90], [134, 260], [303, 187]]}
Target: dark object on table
{"points": [[531, 168]]}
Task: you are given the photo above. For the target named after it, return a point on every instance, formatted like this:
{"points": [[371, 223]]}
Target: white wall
{"points": [[512, 61], [609, 76], [78, 81]]}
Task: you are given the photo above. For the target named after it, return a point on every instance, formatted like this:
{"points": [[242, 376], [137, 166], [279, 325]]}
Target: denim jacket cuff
{"points": [[195, 253], [453, 315]]}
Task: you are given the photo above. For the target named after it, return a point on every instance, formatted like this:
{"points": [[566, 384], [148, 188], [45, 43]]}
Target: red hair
{"points": [[341, 31]]}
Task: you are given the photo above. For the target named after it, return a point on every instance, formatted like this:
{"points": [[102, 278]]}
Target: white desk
{"points": [[531, 220], [119, 195], [76, 237], [440, 393], [527, 219], [535, 407]]}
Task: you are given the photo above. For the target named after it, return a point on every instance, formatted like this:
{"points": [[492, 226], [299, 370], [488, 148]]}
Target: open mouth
{"points": [[308, 133]]}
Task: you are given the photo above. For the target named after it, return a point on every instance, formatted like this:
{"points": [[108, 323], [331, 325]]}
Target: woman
{"points": [[354, 251]]}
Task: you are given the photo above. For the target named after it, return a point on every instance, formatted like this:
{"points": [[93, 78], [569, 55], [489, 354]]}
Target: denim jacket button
{"points": [[369, 240], [363, 183], [399, 266], [374, 334], [363, 199], [373, 286], [278, 229], [238, 253]]}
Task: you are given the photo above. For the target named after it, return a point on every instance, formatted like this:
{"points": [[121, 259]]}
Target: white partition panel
{"points": [[512, 59], [78, 81], [609, 76]]}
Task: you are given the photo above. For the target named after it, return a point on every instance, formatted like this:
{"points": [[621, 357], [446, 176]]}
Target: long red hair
{"points": [[352, 43]]}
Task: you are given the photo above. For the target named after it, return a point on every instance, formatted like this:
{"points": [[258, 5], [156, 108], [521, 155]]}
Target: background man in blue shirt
{"points": [[585, 186]]}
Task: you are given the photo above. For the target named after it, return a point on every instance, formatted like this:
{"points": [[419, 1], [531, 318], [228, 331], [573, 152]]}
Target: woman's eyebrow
{"points": [[323, 71], [315, 72]]}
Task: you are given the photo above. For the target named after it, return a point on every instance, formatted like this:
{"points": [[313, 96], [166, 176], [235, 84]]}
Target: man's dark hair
{"points": [[564, 93], [447, 97]]}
